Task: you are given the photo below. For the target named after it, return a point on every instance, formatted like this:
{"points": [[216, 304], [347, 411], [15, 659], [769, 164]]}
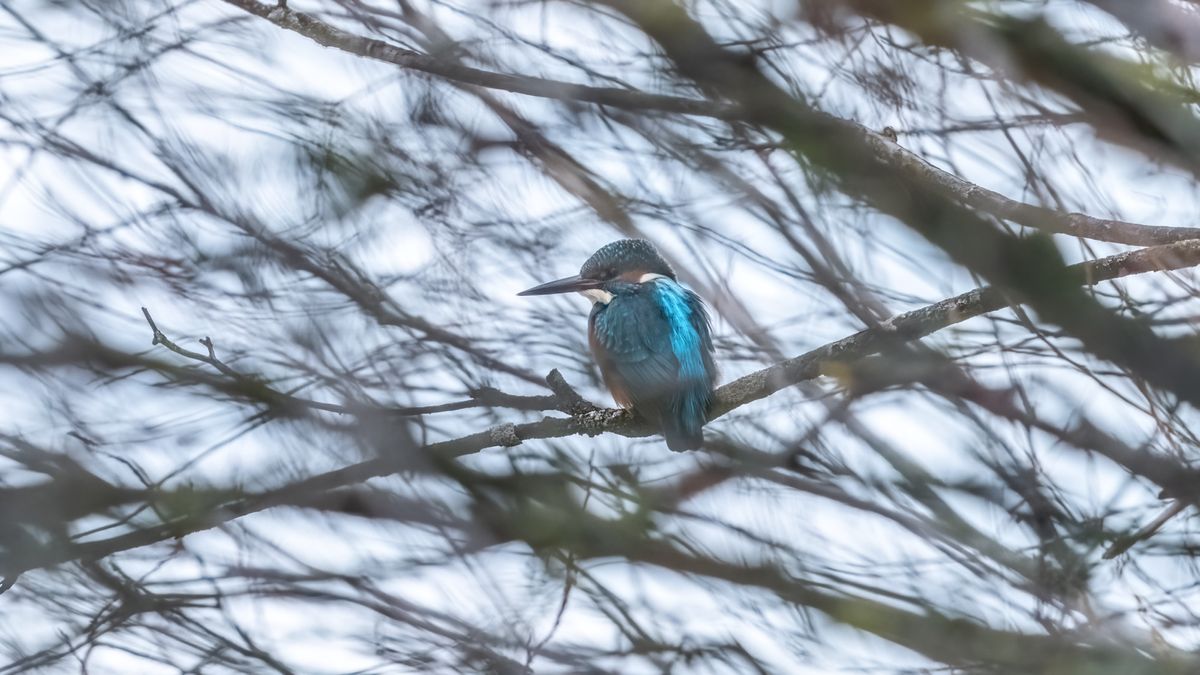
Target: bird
{"points": [[650, 337]]}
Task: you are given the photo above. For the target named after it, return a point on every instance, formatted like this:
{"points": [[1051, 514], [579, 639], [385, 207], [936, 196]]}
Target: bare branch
{"points": [[884, 148]]}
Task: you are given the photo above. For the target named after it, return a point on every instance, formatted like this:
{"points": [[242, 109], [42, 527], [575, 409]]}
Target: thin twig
{"points": [[1123, 544], [484, 397], [882, 147]]}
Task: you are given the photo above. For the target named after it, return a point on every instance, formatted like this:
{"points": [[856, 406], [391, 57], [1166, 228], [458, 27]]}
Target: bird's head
{"points": [[627, 261]]}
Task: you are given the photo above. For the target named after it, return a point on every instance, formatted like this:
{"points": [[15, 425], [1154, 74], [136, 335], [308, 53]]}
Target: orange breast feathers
{"points": [[616, 385]]}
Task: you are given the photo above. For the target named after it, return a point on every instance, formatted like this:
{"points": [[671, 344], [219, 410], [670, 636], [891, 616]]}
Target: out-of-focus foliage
{"points": [[270, 403]]}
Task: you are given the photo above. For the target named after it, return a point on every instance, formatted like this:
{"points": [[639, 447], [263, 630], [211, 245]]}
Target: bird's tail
{"points": [[680, 438], [683, 425]]}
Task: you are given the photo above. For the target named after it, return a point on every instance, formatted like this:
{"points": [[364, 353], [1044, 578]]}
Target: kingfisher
{"points": [[650, 337]]}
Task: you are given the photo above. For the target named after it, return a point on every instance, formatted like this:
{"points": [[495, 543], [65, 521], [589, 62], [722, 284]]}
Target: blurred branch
{"points": [[484, 397], [1162, 23], [350, 282], [943, 638], [1029, 215], [349, 231], [921, 322], [1125, 102], [1031, 268], [884, 149], [338, 274], [940, 375], [328, 35], [1123, 544], [898, 330]]}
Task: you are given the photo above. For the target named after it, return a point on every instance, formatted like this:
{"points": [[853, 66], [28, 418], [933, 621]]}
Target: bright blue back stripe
{"points": [[685, 341]]}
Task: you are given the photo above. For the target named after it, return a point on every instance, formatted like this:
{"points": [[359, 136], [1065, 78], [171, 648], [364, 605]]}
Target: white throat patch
{"points": [[597, 295]]}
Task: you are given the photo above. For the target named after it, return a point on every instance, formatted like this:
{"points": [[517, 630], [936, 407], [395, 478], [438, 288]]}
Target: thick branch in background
{"points": [[1030, 268], [886, 150]]}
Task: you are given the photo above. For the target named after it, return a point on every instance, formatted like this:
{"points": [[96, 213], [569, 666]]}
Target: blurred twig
{"points": [[883, 148], [900, 329], [1123, 544]]}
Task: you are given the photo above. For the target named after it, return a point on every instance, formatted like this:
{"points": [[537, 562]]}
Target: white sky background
{"points": [[223, 106]]}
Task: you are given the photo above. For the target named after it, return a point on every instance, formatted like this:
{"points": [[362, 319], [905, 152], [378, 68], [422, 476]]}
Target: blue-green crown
{"points": [[625, 255]]}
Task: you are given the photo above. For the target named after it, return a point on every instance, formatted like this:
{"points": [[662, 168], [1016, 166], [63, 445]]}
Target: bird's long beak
{"points": [[567, 285]]}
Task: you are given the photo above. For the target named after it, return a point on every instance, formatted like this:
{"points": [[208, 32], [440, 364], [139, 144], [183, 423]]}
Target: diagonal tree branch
{"points": [[1030, 268], [883, 148], [942, 638], [747, 389], [1125, 103], [1161, 23]]}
